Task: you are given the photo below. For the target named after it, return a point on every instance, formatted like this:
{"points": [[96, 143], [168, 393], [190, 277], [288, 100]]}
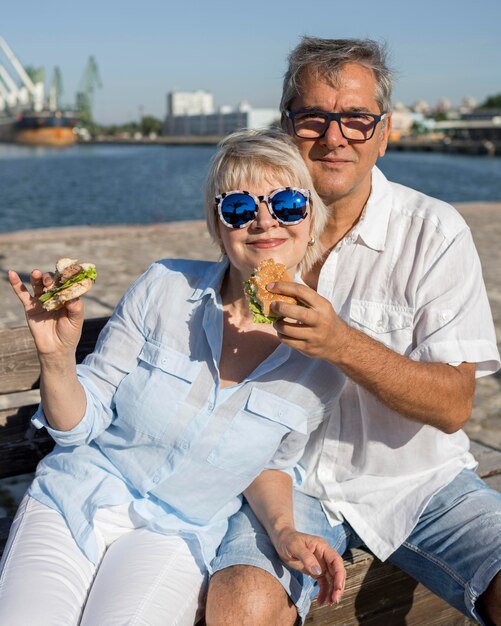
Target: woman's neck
{"points": [[245, 344], [233, 297]]}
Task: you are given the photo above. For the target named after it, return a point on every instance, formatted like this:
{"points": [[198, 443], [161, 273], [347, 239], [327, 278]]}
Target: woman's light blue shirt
{"points": [[159, 432]]}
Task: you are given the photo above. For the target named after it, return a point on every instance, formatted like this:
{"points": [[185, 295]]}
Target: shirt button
{"points": [[380, 323], [184, 445], [156, 478], [281, 413], [210, 406]]}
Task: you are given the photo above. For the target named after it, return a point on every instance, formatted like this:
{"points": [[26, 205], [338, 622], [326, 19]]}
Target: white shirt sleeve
{"points": [[453, 321]]}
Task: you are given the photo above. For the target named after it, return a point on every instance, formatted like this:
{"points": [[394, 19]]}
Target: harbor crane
{"points": [[55, 90], [89, 82], [30, 90]]}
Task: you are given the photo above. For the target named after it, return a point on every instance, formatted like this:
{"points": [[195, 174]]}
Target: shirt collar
{"points": [[211, 280], [373, 226]]}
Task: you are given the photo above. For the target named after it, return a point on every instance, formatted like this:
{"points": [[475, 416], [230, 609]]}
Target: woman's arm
{"points": [[270, 497], [56, 336]]}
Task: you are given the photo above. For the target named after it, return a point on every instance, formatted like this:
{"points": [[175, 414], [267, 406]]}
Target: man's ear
{"points": [[385, 135]]}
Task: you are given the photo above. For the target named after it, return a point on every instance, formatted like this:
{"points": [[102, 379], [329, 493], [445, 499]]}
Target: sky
{"points": [[438, 48]]}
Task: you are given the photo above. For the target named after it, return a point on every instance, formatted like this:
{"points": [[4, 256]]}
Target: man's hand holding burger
{"points": [[314, 329]]}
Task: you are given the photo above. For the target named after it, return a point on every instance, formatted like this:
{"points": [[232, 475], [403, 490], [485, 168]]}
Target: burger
{"points": [[71, 280], [259, 297]]}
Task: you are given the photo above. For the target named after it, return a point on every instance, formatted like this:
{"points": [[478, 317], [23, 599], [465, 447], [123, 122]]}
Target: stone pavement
{"points": [[121, 253]]}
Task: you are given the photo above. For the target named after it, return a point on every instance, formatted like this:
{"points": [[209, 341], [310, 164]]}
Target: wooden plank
{"points": [[379, 593], [21, 444], [19, 370], [16, 400], [488, 459]]}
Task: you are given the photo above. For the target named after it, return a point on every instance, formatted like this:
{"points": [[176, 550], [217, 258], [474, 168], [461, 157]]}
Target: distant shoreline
{"points": [[454, 146], [177, 226]]}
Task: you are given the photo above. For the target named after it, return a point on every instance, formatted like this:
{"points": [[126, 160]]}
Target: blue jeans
{"points": [[454, 550]]}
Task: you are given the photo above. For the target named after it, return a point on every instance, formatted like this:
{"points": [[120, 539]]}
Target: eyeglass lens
{"points": [[357, 127], [288, 206], [238, 209]]}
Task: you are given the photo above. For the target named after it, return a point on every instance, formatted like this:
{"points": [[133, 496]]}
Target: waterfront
{"points": [[127, 249], [118, 184]]}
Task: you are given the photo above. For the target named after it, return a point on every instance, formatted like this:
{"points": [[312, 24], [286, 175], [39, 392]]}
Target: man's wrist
{"points": [[343, 336]]}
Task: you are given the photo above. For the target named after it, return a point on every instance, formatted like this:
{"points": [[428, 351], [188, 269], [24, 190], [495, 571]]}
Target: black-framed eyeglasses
{"points": [[354, 126]]}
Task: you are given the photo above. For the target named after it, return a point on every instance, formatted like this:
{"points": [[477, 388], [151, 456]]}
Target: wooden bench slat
{"points": [[379, 593], [21, 444], [19, 369]]}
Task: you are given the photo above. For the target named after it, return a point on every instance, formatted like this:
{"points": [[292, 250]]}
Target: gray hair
{"points": [[326, 57], [246, 158]]}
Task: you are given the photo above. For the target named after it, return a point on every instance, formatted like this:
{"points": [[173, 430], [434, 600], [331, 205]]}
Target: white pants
{"points": [[143, 578]]}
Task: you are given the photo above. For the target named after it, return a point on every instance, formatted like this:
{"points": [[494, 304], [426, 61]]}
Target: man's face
{"points": [[341, 169]]}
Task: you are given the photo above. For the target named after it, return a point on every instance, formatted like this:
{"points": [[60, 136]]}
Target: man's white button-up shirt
{"points": [[411, 279]]}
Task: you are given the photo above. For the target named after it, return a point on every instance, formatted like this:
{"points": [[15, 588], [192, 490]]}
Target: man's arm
{"points": [[437, 394], [270, 497]]}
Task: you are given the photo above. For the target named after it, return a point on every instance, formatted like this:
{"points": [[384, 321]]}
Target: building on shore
{"points": [[194, 114], [479, 125]]}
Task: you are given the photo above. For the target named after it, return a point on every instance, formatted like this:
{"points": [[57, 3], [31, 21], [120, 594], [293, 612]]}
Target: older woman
{"points": [[185, 404]]}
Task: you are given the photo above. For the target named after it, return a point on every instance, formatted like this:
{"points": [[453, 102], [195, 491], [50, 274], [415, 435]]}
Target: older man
{"points": [[401, 308]]}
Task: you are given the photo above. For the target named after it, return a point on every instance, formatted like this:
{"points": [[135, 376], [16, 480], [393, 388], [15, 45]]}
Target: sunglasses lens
{"points": [[238, 209], [289, 206]]}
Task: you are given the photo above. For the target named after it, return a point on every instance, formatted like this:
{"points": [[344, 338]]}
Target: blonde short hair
{"points": [[247, 157]]}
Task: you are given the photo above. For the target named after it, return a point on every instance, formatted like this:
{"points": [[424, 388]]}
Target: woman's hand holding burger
{"points": [[56, 328]]}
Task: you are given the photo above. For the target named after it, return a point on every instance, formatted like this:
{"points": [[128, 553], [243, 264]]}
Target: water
{"points": [[92, 184]]}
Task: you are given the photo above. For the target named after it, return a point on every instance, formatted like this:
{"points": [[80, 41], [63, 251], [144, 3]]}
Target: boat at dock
{"points": [[45, 128], [7, 123], [26, 115]]}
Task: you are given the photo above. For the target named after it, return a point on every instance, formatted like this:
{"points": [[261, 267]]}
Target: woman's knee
{"points": [[248, 596]]}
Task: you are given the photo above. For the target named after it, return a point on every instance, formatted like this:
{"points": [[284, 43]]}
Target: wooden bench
{"points": [[377, 594]]}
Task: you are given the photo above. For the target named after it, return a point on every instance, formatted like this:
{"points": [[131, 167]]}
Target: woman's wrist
{"points": [[57, 363], [279, 532]]}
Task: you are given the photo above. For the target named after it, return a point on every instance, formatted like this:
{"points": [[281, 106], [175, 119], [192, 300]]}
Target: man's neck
{"points": [[344, 214]]}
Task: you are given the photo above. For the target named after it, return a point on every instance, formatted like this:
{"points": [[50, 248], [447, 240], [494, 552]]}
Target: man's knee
{"points": [[247, 596]]}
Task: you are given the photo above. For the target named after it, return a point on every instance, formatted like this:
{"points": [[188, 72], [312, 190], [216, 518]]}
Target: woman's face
{"points": [[265, 237]]}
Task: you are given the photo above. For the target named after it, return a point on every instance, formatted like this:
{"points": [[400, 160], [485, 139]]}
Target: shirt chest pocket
{"points": [[149, 397], [387, 323], [255, 433]]}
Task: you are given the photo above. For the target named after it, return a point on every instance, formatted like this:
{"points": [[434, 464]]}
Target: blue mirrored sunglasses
{"points": [[237, 209]]}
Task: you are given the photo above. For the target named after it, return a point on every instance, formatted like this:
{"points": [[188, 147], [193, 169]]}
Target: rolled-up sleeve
{"points": [[453, 321]]}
